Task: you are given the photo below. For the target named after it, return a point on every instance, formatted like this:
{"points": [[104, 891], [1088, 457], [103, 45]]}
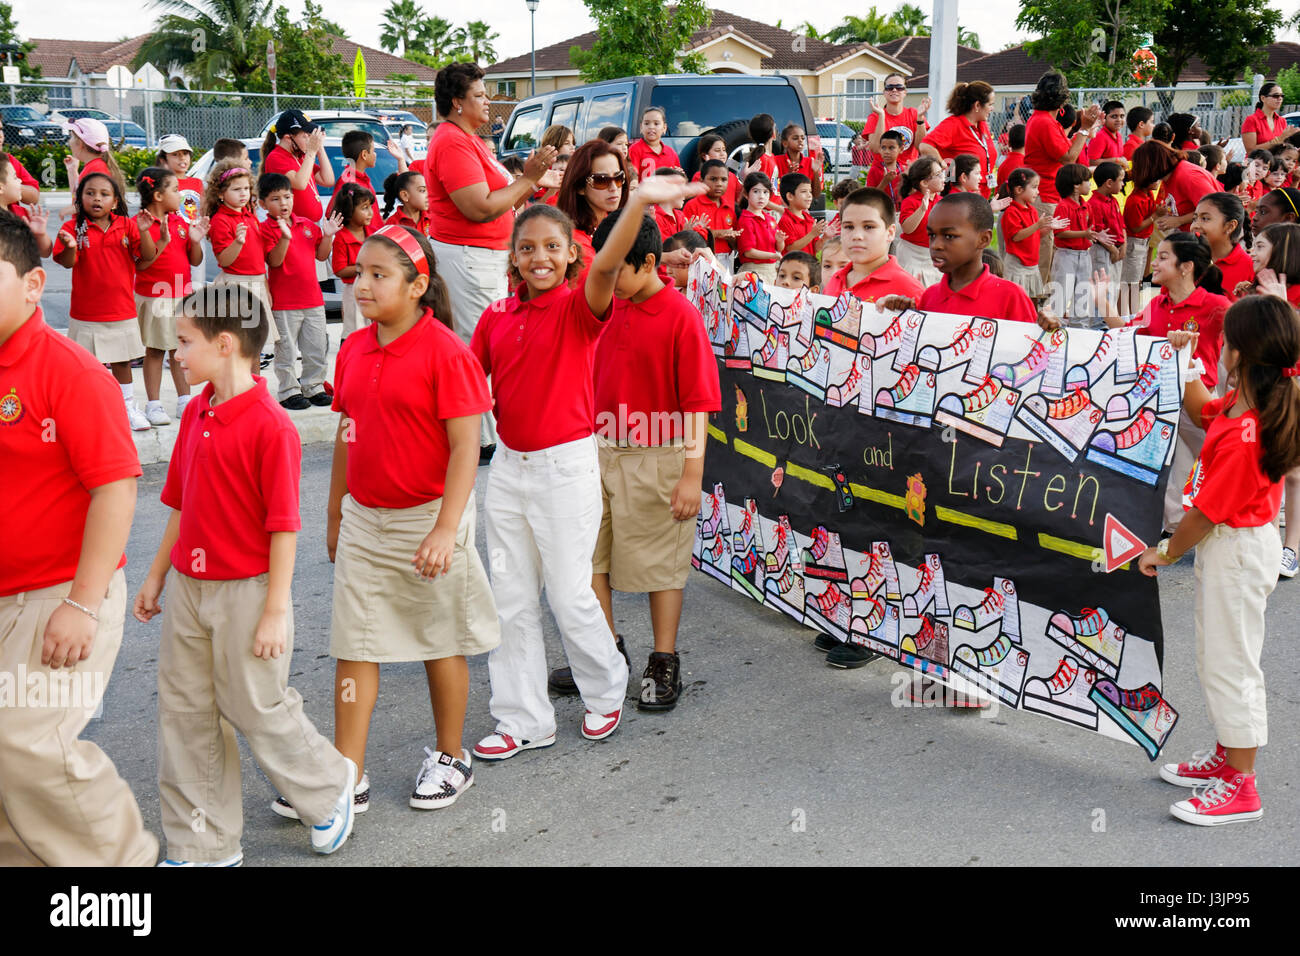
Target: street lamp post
{"points": [[532, 29]]}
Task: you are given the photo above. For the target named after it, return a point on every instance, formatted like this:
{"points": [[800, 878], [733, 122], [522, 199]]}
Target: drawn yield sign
{"points": [[1120, 544]]}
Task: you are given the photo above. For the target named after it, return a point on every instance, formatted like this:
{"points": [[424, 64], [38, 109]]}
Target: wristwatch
{"points": [[1162, 549]]}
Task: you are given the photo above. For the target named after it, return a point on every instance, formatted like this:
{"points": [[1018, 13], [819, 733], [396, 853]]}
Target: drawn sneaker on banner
{"points": [[1138, 451], [824, 558], [931, 589], [1157, 380], [997, 668], [747, 565], [855, 385], [1000, 604], [899, 339], [783, 587], [927, 649], [910, 401], [736, 351], [797, 316], [972, 344], [830, 611], [984, 412], [749, 295], [1143, 714], [868, 584], [1046, 358], [1092, 635], [885, 555], [811, 371], [841, 323], [1064, 695], [770, 361], [1064, 423], [876, 628], [713, 538], [1117, 347]]}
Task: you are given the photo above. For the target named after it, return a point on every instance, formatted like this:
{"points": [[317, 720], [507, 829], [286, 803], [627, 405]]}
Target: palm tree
{"points": [[475, 42], [216, 40], [872, 28], [967, 37], [808, 30], [402, 22], [437, 38], [911, 19]]}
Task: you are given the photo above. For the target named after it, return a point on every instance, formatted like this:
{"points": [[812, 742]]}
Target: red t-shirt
{"points": [[251, 260], [888, 279], [810, 168], [756, 232], [1187, 184], [1105, 145], [1232, 488], [1263, 128], [988, 296], [918, 236], [955, 136], [293, 282], [399, 397], [456, 160], [720, 215], [1200, 312], [1045, 144], [1017, 217], [233, 476], [876, 180], [191, 190], [346, 249], [1106, 217], [670, 221], [905, 123], [1010, 163], [795, 227], [47, 383], [653, 361], [1236, 267], [1132, 143], [400, 218], [26, 179], [1079, 217], [170, 275], [96, 165], [1138, 206], [306, 201], [351, 174], [539, 354], [103, 277], [583, 241], [644, 160]]}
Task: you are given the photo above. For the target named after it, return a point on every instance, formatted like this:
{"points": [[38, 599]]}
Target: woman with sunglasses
{"points": [[1264, 128], [595, 184], [892, 114]]}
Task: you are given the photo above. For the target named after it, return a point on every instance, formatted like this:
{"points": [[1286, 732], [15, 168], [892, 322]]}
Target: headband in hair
{"points": [[1289, 201], [147, 179], [408, 244], [235, 171], [1291, 371]]}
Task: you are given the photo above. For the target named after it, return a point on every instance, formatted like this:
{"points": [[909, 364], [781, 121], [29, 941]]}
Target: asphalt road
{"points": [[771, 757]]}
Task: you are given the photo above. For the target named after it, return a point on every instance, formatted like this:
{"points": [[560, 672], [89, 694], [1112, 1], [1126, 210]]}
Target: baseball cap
{"points": [[292, 121], [174, 143], [91, 132]]}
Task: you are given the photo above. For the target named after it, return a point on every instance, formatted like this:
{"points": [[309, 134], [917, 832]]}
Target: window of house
{"points": [[857, 97], [1205, 98], [506, 88]]}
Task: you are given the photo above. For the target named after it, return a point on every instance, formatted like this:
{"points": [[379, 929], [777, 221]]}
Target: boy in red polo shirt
{"points": [[867, 227], [887, 175], [293, 246], [799, 270], [1140, 122], [227, 631], [718, 217], [801, 231], [1104, 211], [669, 216], [62, 589]]}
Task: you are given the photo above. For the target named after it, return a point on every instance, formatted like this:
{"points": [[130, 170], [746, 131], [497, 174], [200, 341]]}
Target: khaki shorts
{"points": [[385, 612], [640, 545], [108, 341], [157, 318]]}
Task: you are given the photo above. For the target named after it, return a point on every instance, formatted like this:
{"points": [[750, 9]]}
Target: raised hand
{"points": [[316, 140], [199, 230], [878, 104], [539, 161], [286, 230], [394, 149], [659, 190], [37, 220], [241, 231], [1000, 204], [1270, 283], [333, 224]]}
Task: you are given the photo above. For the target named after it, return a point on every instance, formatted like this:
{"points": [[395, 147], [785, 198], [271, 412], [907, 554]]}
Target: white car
{"points": [[837, 141]]}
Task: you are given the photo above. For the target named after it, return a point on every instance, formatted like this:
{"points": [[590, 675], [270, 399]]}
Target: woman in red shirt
{"points": [[966, 130], [1264, 128], [1184, 183], [295, 147], [892, 114], [471, 202], [595, 184]]}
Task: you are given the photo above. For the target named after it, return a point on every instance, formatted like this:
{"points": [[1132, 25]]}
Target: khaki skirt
{"points": [[157, 318], [384, 612], [256, 285], [1027, 277], [915, 261], [764, 270], [109, 342]]}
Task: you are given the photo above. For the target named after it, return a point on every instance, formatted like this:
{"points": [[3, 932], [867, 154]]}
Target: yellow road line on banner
{"points": [[1085, 552], [745, 448], [878, 496], [717, 434], [971, 521], [812, 477]]}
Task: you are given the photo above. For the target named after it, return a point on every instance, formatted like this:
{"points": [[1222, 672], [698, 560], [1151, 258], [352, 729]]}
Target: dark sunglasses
{"points": [[605, 180], [891, 87]]}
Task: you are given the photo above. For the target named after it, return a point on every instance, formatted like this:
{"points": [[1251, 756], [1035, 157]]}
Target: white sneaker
{"points": [[1290, 565], [154, 412], [236, 860], [181, 402], [360, 801], [136, 417], [332, 834], [442, 779]]}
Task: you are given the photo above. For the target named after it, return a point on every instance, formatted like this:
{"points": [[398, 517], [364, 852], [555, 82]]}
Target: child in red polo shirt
{"points": [[356, 205], [29, 191], [887, 175], [1021, 224], [101, 246], [793, 159], [799, 230], [1015, 158], [669, 217], [12, 190], [1234, 495], [402, 500], [799, 270], [235, 233], [1072, 260], [62, 588], [293, 247], [1141, 210], [1104, 213], [679, 275], [867, 228], [359, 155], [1220, 219], [650, 152], [719, 218], [757, 245], [409, 194], [227, 556], [921, 188], [544, 486]]}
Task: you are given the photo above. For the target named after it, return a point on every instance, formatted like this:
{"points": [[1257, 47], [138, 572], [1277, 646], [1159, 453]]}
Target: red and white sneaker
{"points": [[500, 746], [1204, 767], [1229, 799], [599, 726]]}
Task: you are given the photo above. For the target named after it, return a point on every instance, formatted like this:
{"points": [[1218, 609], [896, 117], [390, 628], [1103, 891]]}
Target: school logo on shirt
{"points": [[190, 205], [180, 232], [11, 408], [1190, 325], [306, 229]]}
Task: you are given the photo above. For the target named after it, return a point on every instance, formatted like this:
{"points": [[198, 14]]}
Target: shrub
{"points": [[45, 162]]}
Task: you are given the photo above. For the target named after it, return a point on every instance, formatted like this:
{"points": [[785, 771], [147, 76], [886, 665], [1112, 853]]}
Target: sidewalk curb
{"points": [[315, 425]]}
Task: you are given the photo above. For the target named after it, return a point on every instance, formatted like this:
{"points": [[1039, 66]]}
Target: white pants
{"points": [[542, 513], [352, 317], [302, 331], [1072, 275], [475, 278]]}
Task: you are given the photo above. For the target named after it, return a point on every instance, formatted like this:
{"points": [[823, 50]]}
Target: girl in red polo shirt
{"points": [[101, 246], [650, 152], [402, 499], [406, 191], [922, 184], [1219, 219], [757, 246], [793, 159], [1252, 440], [543, 502], [235, 233], [762, 159], [356, 205], [1021, 224], [712, 146]]}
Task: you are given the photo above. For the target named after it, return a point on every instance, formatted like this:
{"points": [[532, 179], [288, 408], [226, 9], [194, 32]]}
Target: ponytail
{"points": [[268, 144], [150, 182], [435, 297], [761, 129], [922, 168], [1265, 333], [394, 183], [1020, 177]]}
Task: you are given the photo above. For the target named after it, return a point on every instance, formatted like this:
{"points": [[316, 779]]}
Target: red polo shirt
{"points": [[251, 260], [1132, 143], [346, 249], [96, 165], [1233, 488], [351, 174], [170, 274], [644, 160], [767, 166], [1138, 206], [399, 397], [911, 203], [26, 179], [955, 135], [1187, 184], [988, 297], [756, 232], [48, 385], [653, 361], [233, 476], [583, 242], [1200, 312], [293, 282], [456, 160], [794, 226], [670, 222], [1106, 217], [1077, 213], [1105, 145], [1009, 165], [807, 165], [720, 216], [888, 279], [400, 218], [306, 201], [1263, 129], [103, 277], [539, 353], [1020, 216], [1236, 267], [729, 198], [876, 180], [1045, 144]]}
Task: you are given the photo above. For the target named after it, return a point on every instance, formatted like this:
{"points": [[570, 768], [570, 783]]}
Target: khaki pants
{"points": [[1135, 260], [1046, 243], [209, 686], [303, 331], [352, 317], [61, 800]]}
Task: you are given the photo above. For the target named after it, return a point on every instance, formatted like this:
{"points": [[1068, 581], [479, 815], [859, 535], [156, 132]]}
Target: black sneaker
{"points": [[661, 684], [321, 400], [824, 642], [267, 359], [485, 453], [296, 403], [850, 655], [561, 680]]}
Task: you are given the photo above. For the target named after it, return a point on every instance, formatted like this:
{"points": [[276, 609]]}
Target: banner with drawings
{"points": [[946, 491]]}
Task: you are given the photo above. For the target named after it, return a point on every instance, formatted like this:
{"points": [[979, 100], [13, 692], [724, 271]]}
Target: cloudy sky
{"points": [[993, 20]]}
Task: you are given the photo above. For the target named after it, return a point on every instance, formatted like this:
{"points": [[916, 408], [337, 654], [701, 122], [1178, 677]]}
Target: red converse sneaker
{"points": [[599, 726], [501, 746], [1204, 767], [1229, 799]]}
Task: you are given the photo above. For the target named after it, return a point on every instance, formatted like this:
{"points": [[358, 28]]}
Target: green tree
{"points": [[967, 37], [807, 29], [9, 35], [637, 37], [215, 40], [1289, 79], [474, 42], [403, 21], [305, 64], [911, 19], [873, 28], [1229, 36], [1091, 41]]}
